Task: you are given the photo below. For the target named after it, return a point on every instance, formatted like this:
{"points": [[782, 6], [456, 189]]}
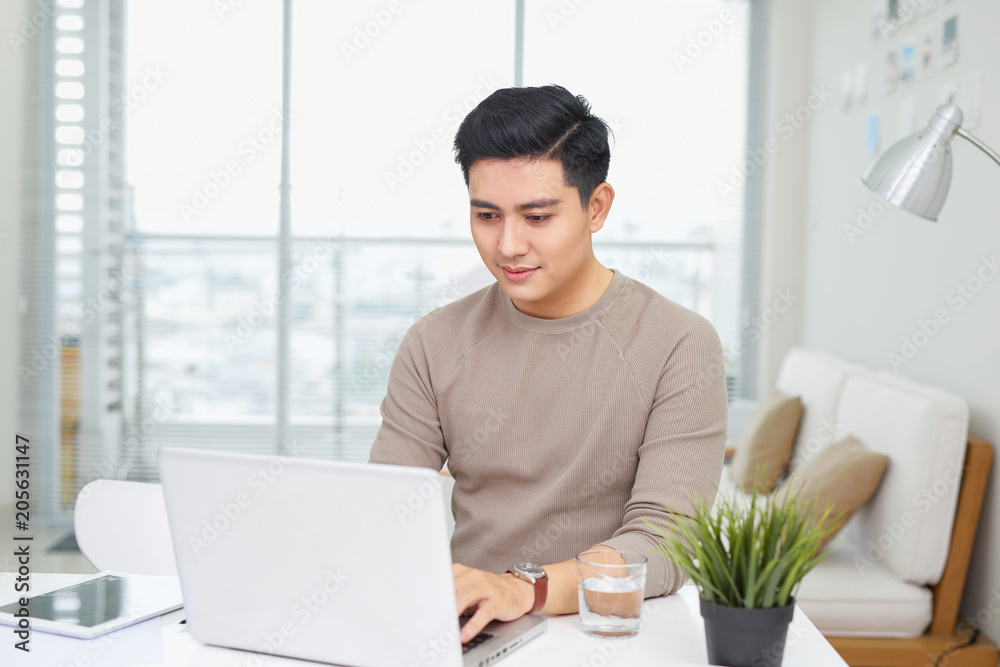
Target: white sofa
{"points": [[876, 582]]}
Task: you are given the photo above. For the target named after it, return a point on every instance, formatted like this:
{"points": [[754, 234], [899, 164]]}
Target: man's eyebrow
{"points": [[479, 203], [540, 203]]}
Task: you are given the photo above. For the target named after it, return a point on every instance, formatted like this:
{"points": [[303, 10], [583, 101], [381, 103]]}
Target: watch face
{"points": [[531, 569]]}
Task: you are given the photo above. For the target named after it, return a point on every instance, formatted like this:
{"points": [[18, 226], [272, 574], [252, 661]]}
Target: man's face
{"points": [[532, 232]]}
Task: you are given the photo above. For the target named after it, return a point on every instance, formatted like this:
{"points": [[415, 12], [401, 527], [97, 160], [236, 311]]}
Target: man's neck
{"points": [[581, 295]]}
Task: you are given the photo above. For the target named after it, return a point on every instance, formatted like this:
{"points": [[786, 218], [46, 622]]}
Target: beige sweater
{"points": [[561, 434]]}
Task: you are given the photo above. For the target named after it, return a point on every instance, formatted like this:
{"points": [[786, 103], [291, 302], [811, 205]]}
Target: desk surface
{"points": [[672, 632]]}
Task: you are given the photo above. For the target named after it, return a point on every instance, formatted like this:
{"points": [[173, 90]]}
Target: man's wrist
{"points": [[537, 578], [526, 592]]}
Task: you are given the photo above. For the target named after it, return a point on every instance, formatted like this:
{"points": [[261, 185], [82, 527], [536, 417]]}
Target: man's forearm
{"points": [[562, 597]]}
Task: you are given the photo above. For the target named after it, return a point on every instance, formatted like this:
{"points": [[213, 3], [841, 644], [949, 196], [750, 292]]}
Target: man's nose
{"points": [[513, 242]]}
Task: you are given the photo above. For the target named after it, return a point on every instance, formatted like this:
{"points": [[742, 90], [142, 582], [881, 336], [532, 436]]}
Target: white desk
{"points": [[672, 632]]}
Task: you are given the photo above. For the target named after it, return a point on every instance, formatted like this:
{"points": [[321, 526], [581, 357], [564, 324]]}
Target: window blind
{"points": [[74, 269]]}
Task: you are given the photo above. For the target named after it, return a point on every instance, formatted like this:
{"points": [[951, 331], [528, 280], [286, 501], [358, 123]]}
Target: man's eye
{"points": [[485, 216], [538, 218]]}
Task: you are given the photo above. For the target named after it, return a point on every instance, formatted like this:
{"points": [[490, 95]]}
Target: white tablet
{"points": [[109, 601]]}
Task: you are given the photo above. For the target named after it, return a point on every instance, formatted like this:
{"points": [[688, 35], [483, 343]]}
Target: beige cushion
{"points": [[766, 443], [845, 476]]}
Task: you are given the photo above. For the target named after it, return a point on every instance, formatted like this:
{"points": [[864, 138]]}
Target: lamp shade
{"points": [[915, 173]]}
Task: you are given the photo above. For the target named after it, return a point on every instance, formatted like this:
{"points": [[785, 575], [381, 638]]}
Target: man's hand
{"points": [[498, 596]]}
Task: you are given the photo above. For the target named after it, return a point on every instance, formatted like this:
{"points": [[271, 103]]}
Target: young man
{"points": [[570, 402]]}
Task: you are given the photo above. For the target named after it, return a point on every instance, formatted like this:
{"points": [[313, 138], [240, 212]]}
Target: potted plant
{"points": [[747, 560]]}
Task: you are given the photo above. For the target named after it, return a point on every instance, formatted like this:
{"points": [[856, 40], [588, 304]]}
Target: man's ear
{"points": [[600, 204]]}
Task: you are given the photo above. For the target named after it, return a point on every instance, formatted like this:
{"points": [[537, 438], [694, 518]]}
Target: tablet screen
{"points": [[100, 600]]}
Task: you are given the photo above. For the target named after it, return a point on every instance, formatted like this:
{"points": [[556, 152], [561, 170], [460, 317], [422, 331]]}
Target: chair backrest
{"points": [[123, 526], [818, 379]]}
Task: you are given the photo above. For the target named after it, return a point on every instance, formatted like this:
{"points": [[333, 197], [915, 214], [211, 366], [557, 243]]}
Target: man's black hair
{"points": [[547, 122]]}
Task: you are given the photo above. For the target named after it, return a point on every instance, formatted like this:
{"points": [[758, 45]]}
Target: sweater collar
{"points": [[573, 322]]}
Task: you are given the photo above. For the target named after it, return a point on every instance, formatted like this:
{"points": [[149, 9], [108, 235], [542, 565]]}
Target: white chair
{"points": [[122, 526]]}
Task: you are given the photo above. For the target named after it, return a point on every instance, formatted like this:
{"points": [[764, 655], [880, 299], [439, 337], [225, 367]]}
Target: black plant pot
{"points": [[740, 637]]}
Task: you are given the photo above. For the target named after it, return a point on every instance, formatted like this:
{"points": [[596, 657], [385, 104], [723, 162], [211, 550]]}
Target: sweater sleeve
{"points": [[682, 451], [410, 433]]}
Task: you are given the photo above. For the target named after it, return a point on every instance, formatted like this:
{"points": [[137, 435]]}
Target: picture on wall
{"points": [[926, 62], [891, 75], [846, 90], [871, 141], [860, 84], [907, 62], [892, 11], [949, 41]]}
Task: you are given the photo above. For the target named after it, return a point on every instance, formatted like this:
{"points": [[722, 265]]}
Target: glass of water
{"points": [[611, 586]]}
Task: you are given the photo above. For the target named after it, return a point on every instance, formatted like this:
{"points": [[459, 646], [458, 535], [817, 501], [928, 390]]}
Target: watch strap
{"points": [[540, 584]]}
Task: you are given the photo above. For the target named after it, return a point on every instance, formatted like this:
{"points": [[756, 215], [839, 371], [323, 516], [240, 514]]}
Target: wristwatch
{"points": [[534, 575]]}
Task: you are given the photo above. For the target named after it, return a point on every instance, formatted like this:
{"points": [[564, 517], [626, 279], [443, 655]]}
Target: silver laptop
{"points": [[344, 563]]}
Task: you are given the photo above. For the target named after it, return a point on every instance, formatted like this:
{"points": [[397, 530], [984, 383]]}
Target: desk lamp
{"points": [[915, 172]]}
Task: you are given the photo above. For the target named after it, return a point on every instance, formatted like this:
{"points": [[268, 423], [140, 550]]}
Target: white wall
{"points": [[13, 79], [784, 204], [861, 299]]}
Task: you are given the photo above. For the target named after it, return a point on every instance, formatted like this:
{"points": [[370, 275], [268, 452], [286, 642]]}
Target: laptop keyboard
{"points": [[476, 641], [481, 638]]}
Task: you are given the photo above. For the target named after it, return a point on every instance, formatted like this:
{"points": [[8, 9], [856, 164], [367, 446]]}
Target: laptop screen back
{"points": [[331, 561]]}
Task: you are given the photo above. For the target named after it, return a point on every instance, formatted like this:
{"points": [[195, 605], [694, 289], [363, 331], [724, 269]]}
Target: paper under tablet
{"points": [[97, 606]]}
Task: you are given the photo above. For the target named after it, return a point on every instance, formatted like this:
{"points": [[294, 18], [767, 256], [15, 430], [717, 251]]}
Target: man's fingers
{"points": [[475, 624], [469, 588]]}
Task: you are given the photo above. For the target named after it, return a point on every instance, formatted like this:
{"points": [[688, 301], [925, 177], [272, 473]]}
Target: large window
{"points": [[292, 203]]}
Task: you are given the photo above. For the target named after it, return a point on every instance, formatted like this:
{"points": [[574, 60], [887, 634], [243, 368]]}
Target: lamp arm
{"points": [[983, 147]]}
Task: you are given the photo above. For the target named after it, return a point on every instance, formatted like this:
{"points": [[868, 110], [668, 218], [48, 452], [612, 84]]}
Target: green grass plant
{"points": [[748, 555]]}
